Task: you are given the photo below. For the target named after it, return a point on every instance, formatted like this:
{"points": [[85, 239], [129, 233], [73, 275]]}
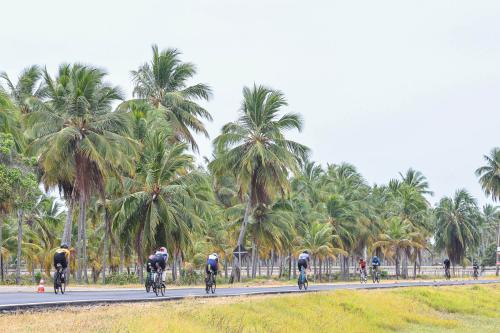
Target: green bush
{"points": [[122, 279]]}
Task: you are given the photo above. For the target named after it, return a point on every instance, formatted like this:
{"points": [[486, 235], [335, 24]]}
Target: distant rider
{"points": [[475, 267], [446, 264], [160, 261], [212, 264], [303, 260], [375, 263], [362, 265], [61, 256]]}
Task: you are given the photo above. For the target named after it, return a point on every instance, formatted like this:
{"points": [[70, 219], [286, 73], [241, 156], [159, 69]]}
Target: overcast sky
{"points": [[385, 85]]}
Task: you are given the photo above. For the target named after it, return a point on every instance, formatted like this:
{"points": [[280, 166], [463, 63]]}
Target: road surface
{"points": [[11, 301]]}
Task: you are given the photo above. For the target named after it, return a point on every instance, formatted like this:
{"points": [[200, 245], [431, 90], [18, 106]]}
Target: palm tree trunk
{"points": [[79, 245], [1, 246], [138, 250], [19, 241], [498, 248], [289, 265], [236, 271], [122, 260], [397, 263], [272, 263], [84, 243], [66, 237], [404, 264], [225, 267], [105, 245]]}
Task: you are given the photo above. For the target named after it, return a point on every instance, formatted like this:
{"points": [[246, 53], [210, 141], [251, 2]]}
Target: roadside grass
{"points": [[423, 309]]}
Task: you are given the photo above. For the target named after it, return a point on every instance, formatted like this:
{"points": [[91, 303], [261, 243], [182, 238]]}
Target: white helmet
{"points": [[215, 254]]}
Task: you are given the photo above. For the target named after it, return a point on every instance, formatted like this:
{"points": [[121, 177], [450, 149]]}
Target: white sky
{"points": [[385, 85]]}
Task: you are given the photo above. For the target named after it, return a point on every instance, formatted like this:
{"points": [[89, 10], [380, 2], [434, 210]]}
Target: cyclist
{"points": [[446, 264], [475, 267], [212, 264], [362, 265], [303, 260], [61, 256], [160, 261], [375, 263]]}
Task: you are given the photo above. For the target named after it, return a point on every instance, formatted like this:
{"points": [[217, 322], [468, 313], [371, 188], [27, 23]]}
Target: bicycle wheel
{"points": [[162, 289], [56, 282], [213, 286]]}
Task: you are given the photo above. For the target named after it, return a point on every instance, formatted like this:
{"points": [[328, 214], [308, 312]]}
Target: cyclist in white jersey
{"points": [[303, 260]]}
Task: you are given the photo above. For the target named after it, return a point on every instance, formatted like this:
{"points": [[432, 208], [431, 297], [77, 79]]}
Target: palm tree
{"points": [[489, 178], [163, 84], [456, 225], [162, 203], [78, 139], [28, 87], [490, 216], [398, 239], [416, 180], [256, 151]]}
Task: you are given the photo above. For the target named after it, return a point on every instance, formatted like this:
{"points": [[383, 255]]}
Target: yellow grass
{"points": [[426, 309]]}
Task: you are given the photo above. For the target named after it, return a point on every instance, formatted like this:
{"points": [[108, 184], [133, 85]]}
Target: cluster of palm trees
{"points": [[129, 182]]}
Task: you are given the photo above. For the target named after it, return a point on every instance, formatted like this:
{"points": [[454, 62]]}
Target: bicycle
{"points": [[149, 282], [210, 283], [362, 276], [59, 284], [475, 274], [447, 274], [375, 275], [158, 285], [302, 282]]}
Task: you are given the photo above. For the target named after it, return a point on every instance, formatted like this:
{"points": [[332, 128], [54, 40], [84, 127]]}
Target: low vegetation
{"points": [[443, 309]]}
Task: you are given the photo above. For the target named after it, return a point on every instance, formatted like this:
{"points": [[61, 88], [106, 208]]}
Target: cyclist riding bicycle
{"points": [[61, 256], [375, 263], [475, 267], [362, 265], [212, 264], [160, 261], [303, 260], [446, 264]]}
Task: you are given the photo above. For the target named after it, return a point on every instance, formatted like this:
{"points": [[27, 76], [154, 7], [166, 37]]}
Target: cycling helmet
{"points": [[162, 249], [215, 254], [305, 251], [64, 246]]}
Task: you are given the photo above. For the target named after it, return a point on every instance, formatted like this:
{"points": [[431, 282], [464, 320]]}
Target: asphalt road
{"points": [[10, 301]]}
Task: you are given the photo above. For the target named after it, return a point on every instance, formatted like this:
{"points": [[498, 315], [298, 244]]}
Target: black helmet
{"points": [[305, 251], [64, 246]]}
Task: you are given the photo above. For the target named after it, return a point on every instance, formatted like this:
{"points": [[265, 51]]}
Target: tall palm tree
{"points": [[10, 122], [163, 84], [29, 86], [162, 203], [255, 150], [397, 239], [78, 139], [489, 178], [456, 225], [416, 180]]}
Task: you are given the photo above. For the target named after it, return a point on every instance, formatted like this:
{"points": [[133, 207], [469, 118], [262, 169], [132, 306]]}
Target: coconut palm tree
{"points": [[29, 86], [163, 84], [397, 239], [78, 139], [456, 227], [489, 178], [255, 150], [417, 180], [162, 203]]}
